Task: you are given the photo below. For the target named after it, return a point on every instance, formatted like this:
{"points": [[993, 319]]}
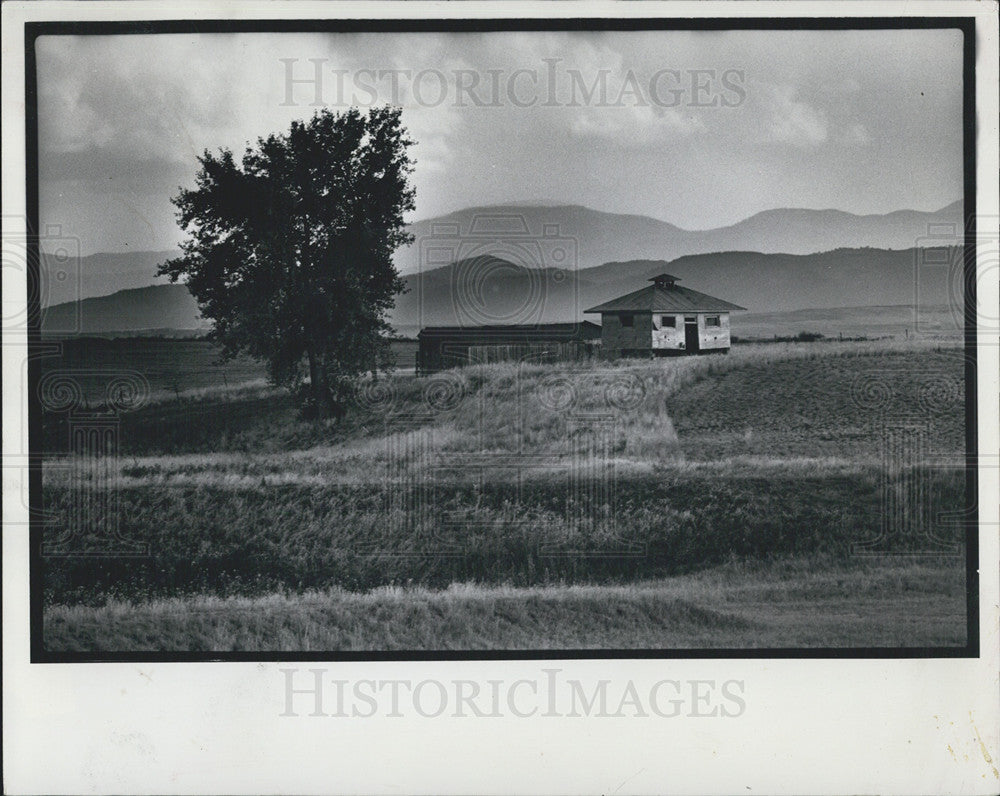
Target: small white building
{"points": [[664, 319]]}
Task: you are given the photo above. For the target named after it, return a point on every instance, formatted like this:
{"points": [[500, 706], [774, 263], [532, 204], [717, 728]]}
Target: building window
{"points": [[627, 321], [711, 320], [668, 321]]}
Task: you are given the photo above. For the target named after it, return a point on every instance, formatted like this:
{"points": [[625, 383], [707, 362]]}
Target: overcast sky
{"points": [[700, 129]]}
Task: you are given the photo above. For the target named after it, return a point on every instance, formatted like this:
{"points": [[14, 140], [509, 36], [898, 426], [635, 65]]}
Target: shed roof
{"points": [[658, 298]]}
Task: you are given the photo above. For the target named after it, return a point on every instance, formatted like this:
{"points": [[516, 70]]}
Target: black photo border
{"points": [[967, 25]]}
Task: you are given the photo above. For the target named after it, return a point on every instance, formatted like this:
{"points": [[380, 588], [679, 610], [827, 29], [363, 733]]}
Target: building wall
{"points": [[616, 338], [440, 354], [642, 336], [441, 351], [713, 337], [669, 338]]}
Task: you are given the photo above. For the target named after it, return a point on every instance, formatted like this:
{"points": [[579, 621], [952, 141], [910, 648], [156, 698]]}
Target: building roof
{"points": [[540, 331], [664, 278], [658, 298]]}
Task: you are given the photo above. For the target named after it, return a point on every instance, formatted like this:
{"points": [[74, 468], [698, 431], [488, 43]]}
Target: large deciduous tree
{"points": [[290, 251]]}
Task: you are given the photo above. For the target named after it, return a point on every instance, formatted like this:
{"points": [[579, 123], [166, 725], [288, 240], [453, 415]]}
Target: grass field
{"points": [[173, 368], [711, 501], [811, 602]]}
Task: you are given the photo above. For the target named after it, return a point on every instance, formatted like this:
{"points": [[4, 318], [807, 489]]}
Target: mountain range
{"points": [[164, 309], [546, 263], [575, 237], [491, 290], [568, 237], [484, 290], [68, 279]]}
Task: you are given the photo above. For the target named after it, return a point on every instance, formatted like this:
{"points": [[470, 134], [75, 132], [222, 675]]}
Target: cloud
{"points": [[634, 126], [122, 119], [151, 93], [808, 124], [843, 86], [793, 121], [104, 168], [856, 134]]}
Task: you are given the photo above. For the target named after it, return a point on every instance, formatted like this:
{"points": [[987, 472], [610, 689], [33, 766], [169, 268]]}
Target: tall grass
{"points": [[799, 601], [248, 541], [782, 400], [487, 474]]}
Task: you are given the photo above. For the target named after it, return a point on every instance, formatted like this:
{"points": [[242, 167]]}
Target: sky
{"points": [[701, 129]]}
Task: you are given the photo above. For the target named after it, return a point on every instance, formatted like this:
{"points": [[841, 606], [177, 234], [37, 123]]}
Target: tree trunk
{"points": [[319, 384]]}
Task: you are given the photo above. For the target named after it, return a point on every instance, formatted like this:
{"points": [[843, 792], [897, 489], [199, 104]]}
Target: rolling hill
{"points": [[571, 236], [784, 282], [160, 309], [487, 289], [568, 237], [98, 274]]}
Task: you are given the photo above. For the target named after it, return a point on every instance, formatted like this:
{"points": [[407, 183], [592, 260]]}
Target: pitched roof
{"points": [[657, 298]]}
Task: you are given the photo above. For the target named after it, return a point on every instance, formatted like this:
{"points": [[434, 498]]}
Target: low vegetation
{"points": [[513, 477], [581, 505], [810, 602]]}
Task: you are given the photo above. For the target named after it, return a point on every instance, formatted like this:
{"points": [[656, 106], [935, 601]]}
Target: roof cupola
{"points": [[664, 280]]}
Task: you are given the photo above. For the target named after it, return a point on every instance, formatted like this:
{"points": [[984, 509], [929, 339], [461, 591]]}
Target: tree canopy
{"points": [[290, 250]]}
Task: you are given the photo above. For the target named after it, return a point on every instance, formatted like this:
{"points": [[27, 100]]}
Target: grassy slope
{"points": [[768, 390], [173, 368], [772, 451], [790, 603]]}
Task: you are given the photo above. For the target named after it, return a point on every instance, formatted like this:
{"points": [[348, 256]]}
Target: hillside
{"points": [[551, 236], [783, 282], [493, 290], [767, 462], [99, 274], [484, 290], [481, 290], [160, 307], [591, 237]]}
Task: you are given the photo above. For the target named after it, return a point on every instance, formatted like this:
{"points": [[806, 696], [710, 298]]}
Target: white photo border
{"points": [[807, 725]]}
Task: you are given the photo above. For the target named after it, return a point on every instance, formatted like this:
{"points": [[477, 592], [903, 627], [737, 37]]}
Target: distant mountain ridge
{"points": [[67, 279], [487, 289], [568, 237], [847, 277], [158, 307], [576, 237], [490, 290]]}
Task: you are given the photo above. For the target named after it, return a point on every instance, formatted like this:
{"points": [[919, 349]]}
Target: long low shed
{"points": [[441, 347]]}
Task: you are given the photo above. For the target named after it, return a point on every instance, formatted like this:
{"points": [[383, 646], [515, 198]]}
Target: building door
{"points": [[691, 333]]}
